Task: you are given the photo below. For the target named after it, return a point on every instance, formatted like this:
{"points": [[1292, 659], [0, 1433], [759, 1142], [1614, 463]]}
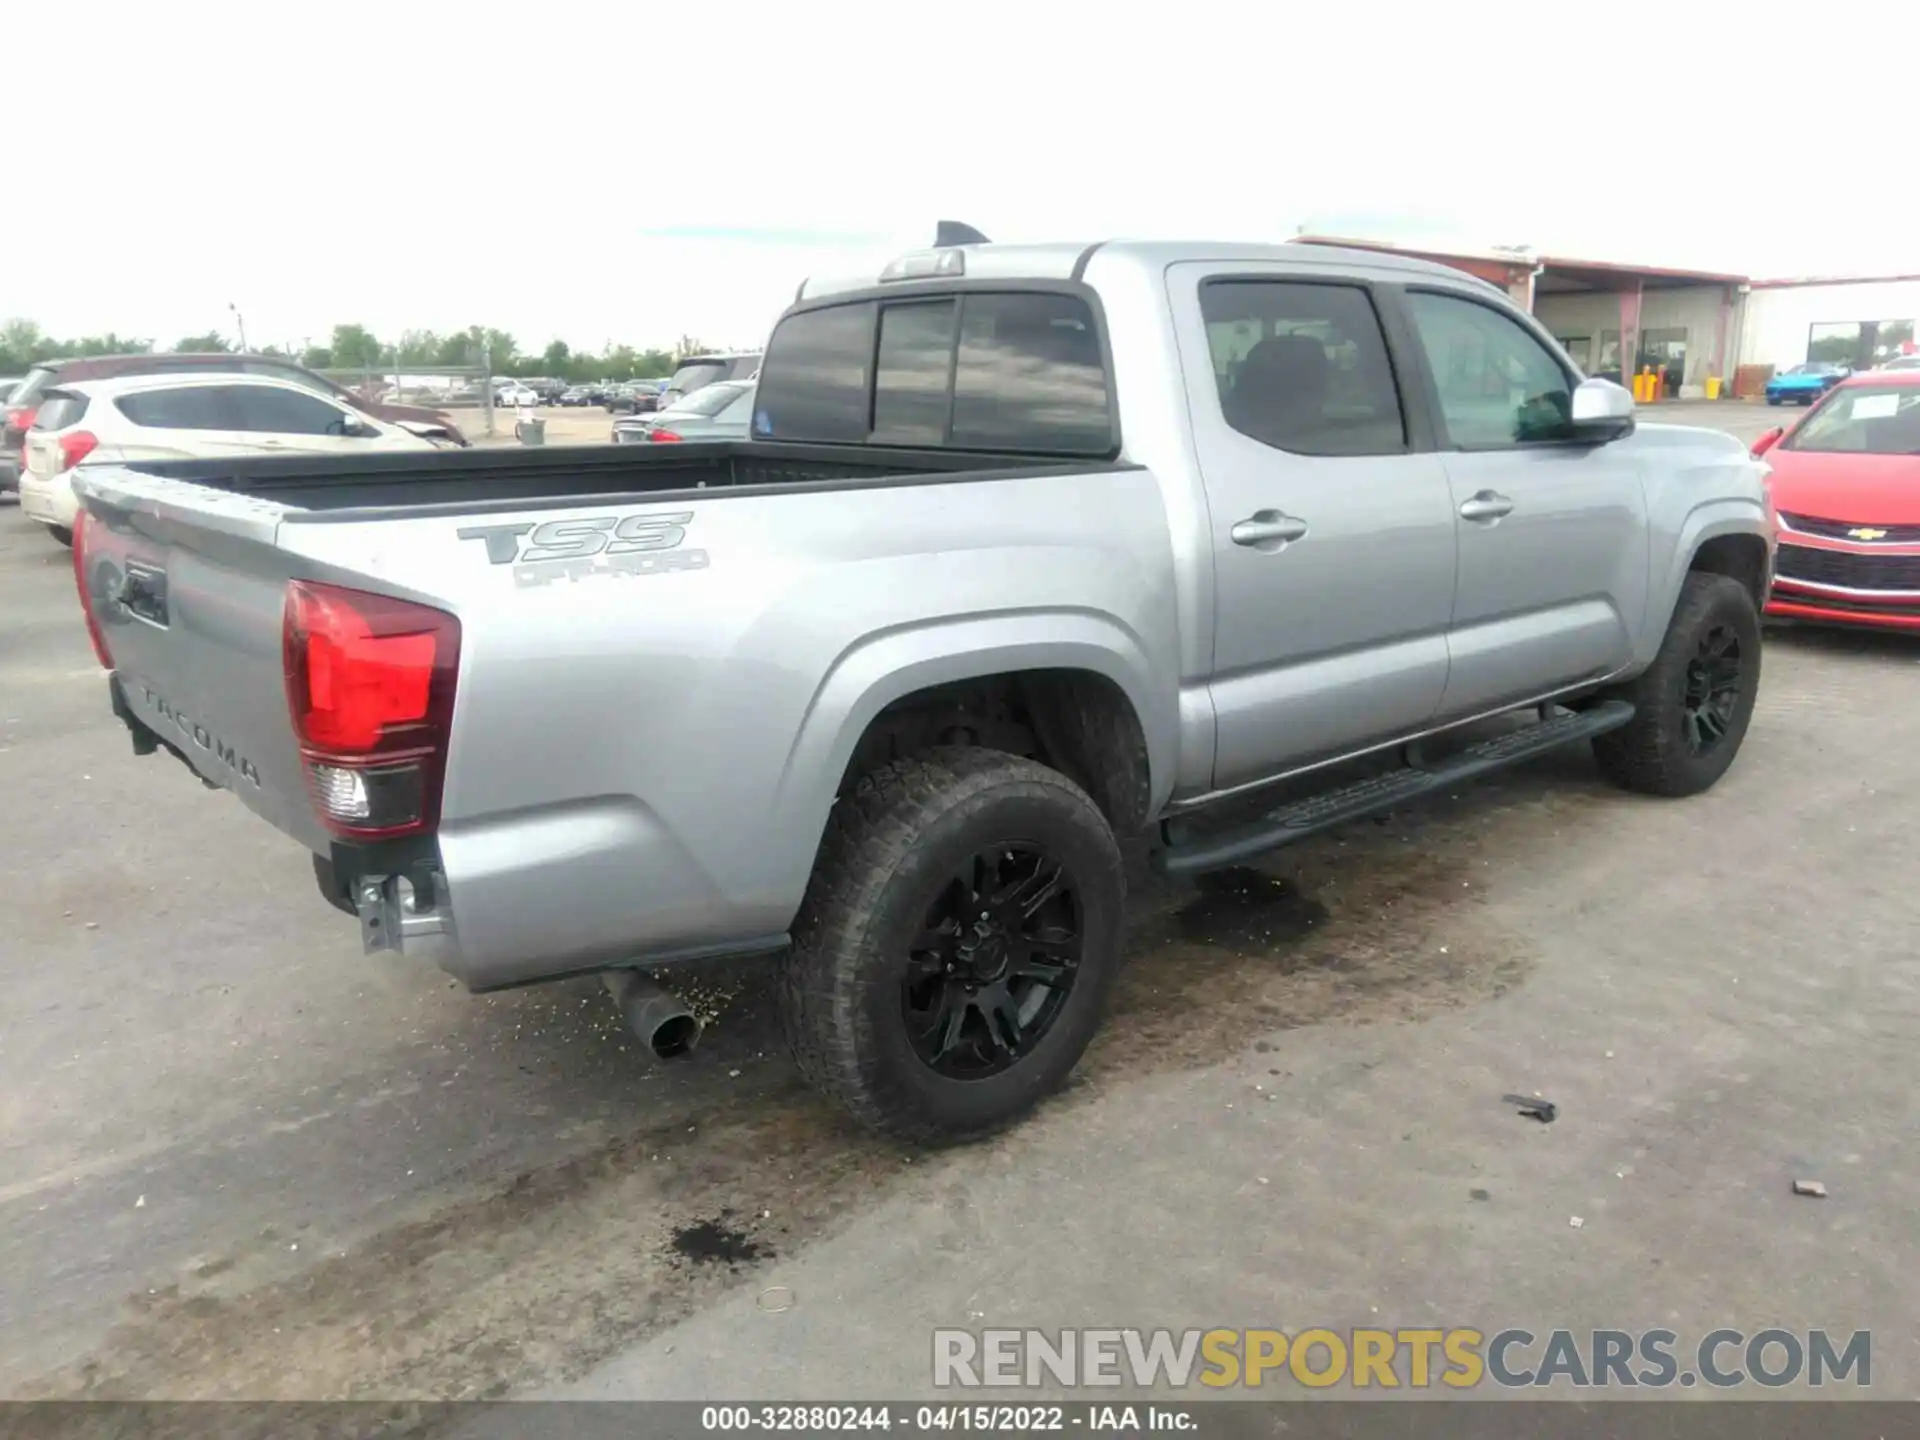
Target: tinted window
{"points": [[1497, 385], [59, 409], [282, 412], [1029, 376], [911, 390], [691, 377], [815, 382], [190, 407], [1302, 367]]}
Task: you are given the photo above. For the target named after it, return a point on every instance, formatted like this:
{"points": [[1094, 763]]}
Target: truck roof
{"points": [[1064, 260]]}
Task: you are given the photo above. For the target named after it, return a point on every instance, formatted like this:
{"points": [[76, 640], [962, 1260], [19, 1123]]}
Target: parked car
{"points": [[512, 393], [974, 611], [697, 370], [1804, 384], [210, 416], [721, 411], [641, 397], [9, 458], [1900, 362], [19, 409], [1846, 484], [576, 395]]}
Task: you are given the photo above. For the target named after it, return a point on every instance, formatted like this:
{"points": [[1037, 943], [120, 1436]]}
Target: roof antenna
{"points": [[952, 232]]}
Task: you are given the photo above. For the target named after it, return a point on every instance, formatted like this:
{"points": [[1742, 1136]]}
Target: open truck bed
{"points": [[478, 479]]}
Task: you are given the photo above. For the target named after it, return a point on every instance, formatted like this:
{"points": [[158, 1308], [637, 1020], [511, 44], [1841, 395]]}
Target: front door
{"points": [[1333, 540], [1553, 531]]}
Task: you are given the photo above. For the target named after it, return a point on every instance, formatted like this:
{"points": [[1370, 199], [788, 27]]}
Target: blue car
{"points": [[1804, 384]]}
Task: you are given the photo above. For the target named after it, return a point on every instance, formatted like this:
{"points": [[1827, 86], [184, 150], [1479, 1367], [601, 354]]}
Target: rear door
{"points": [[1333, 527], [286, 418], [190, 421], [1553, 530]]}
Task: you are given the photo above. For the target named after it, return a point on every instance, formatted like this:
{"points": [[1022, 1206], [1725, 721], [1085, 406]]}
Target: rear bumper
{"points": [[49, 501]]}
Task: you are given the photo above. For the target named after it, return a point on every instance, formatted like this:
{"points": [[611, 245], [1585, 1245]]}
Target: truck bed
{"points": [[517, 476]]}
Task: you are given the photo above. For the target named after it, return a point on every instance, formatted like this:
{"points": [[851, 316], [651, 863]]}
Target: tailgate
{"points": [[189, 592]]}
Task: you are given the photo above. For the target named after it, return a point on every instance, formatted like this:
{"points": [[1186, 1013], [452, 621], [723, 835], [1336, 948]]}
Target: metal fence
{"points": [[437, 387]]}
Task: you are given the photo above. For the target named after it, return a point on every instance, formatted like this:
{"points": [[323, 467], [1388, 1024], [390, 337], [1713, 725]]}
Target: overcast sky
{"points": [[582, 171]]}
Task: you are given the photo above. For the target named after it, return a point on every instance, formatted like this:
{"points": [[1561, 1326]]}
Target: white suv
{"points": [[183, 416]]}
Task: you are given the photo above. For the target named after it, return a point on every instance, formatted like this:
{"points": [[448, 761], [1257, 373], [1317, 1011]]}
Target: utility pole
{"points": [[486, 382], [240, 324]]}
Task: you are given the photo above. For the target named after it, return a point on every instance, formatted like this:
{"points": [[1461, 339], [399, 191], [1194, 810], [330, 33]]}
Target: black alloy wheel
{"points": [[1715, 678], [995, 959]]}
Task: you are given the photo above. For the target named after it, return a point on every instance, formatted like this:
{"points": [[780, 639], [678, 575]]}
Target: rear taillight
{"points": [[663, 436], [83, 524], [75, 447], [370, 686], [21, 417]]}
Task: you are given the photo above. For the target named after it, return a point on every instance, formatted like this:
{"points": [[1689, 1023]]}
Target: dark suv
{"points": [[25, 399]]}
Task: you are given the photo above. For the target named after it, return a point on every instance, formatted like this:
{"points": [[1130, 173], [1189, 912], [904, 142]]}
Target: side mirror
{"points": [[1602, 411], [1767, 441]]}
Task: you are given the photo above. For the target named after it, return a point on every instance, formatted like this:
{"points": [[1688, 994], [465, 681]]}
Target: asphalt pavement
{"points": [[240, 1158]]}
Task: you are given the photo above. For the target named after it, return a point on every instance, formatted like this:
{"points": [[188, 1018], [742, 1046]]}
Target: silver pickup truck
{"points": [[1032, 547]]}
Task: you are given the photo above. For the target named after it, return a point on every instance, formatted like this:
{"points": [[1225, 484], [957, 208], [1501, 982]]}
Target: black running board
{"points": [[1386, 792]]}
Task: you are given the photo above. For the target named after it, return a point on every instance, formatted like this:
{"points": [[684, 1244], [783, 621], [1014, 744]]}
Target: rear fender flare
{"points": [[884, 667]]}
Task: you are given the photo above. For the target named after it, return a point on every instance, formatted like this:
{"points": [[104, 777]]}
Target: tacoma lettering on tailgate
{"points": [[596, 545], [201, 736]]}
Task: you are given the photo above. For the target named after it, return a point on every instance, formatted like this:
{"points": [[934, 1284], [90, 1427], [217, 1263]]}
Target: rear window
{"points": [[59, 409], [692, 376], [1021, 372], [710, 400]]}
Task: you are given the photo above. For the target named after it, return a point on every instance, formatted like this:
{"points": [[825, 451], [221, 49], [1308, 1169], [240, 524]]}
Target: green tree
{"points": [[317, 357], [355, 348], [419, 347], [213, 342], [618, 363], [458, 348], [21, 343], [111, 343], [653, 365], [557, 358], [501, 350]]}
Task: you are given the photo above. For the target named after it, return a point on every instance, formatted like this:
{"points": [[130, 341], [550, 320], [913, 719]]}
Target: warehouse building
{"points": [[1695, 325]]}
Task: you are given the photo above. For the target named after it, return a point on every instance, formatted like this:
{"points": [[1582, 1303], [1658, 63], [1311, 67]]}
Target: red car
{"points": [[1846, 484]]}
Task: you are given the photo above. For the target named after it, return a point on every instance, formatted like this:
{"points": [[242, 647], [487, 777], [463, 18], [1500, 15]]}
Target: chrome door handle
{"points": [[1487, 505], [1268, 530]]}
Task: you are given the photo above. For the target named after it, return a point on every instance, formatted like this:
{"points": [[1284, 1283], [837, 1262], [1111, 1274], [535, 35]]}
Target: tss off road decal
{"points": [[597, 545]]}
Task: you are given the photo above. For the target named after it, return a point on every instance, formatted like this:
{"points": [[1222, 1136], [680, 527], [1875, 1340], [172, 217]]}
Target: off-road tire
{"points": [[900, 828], [1650, 754]]}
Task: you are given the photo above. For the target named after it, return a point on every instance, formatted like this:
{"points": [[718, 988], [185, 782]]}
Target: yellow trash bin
{"points": [[1713, 387]]}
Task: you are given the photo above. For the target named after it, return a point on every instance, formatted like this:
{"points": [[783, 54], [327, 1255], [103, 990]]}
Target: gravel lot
{"points": [[239, 1158]]}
